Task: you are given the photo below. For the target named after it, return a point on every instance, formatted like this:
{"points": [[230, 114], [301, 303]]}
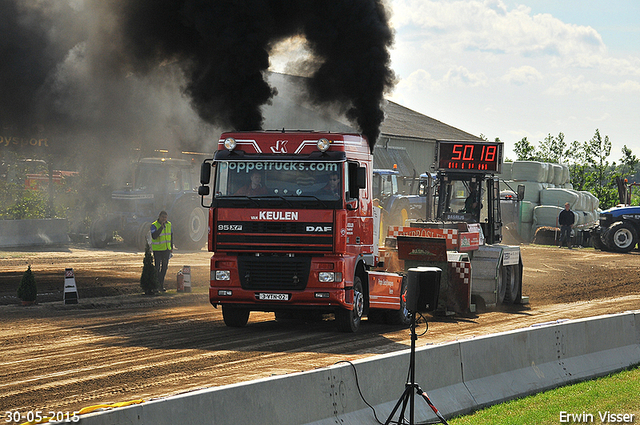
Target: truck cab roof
{"points": [[292, 142]]}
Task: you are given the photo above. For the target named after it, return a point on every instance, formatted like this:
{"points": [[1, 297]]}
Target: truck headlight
{"points": [[329, 277], [323, 144], [223, 275], [230, 143]]}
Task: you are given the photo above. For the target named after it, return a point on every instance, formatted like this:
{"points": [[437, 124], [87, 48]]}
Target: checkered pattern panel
{"points": [[461, 271]]}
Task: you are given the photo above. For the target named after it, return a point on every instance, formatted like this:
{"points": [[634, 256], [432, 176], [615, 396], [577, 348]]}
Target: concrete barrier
{"points": [[459, 377], [17, 233]]}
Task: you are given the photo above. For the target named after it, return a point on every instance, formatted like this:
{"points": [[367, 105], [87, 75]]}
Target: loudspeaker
{"points": [[423, 288]]}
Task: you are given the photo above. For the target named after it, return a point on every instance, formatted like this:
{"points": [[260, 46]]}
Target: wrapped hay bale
{"points": [[590, 218], [581, 205], [546, 215], [566, 178], [532, 171], [558, 176], [558, 197], [594, 217], [551, 172], [591, 203]]}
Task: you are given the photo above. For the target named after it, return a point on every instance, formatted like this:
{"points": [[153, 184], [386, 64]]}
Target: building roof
{"points": [[290, 109], [403, 122]]}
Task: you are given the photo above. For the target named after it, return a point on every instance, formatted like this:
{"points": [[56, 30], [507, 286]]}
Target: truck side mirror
{"points": [[205, 173], [520, 192], [203, 190]]}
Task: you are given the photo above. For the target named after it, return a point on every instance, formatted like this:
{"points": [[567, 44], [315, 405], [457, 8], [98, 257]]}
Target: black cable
{"points": [[426, 324], [355, 373]]}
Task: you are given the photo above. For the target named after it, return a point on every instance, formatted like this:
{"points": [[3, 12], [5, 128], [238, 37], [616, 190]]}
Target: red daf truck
{"points": [[291, 225]]}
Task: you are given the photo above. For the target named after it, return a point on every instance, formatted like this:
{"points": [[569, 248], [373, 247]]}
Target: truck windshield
{"points": [[289, 178]]}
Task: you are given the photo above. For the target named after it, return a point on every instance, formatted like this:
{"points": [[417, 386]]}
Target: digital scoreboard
{"points": [[483, 157]]}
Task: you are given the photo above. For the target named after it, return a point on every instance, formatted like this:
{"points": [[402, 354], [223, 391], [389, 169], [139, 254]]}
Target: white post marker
{"points": [[186, 274], [70, 289]]}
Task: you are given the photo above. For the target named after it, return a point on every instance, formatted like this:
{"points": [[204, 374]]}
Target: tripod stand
{"points": [[411, 387]]}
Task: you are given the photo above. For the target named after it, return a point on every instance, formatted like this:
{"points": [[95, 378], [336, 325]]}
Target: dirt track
{"points": [[113, 348]]}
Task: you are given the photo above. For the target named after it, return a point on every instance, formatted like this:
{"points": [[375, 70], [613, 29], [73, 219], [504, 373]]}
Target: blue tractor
{"points": [[618, 227], [398, 205], [159, 184]]}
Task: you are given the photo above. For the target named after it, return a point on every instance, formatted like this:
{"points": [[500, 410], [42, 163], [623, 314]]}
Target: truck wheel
{"points": [[349, 320], [622, 237], [402, 316], [99, 234], [235, 317], [501, 284], [512, 284], [190, 227]]}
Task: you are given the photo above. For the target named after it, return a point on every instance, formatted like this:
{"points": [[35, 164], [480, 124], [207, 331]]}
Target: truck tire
{"points": [[513, 285], [501, 284], [99, 233], [349, 320], [402, 316], [190, 227], [235, 317], [621, 237]]}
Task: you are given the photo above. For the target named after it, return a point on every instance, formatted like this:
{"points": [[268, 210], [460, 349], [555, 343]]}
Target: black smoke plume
{"points": [[224, 49], [111, 68]]}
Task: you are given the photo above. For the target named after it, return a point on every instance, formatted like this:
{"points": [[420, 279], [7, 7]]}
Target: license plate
{"points": [[273, 297]]}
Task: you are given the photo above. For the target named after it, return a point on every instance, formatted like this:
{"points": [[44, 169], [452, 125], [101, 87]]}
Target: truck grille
{"points": [[273, 272], [273, 237]]}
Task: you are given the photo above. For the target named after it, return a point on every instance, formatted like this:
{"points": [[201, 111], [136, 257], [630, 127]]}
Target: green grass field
{"points": [[584, 402]]}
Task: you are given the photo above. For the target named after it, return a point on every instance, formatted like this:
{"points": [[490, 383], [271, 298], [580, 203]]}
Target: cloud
{"points": [[579, 84], [488, 26], [501, 70], [522, 75], [458, 77], [462, 77]]}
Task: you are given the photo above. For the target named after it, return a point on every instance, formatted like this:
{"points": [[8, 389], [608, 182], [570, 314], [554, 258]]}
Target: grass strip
{"points": [[593, 401]]}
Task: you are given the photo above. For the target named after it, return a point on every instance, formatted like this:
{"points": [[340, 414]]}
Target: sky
{"points": [[512, 69]]}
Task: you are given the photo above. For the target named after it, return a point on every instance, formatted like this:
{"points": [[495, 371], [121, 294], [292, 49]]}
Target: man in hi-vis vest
{"points": [[162, 246]]}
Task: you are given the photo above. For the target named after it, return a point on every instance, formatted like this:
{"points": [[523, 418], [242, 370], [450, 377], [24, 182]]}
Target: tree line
{"points": [[588, 163]]}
